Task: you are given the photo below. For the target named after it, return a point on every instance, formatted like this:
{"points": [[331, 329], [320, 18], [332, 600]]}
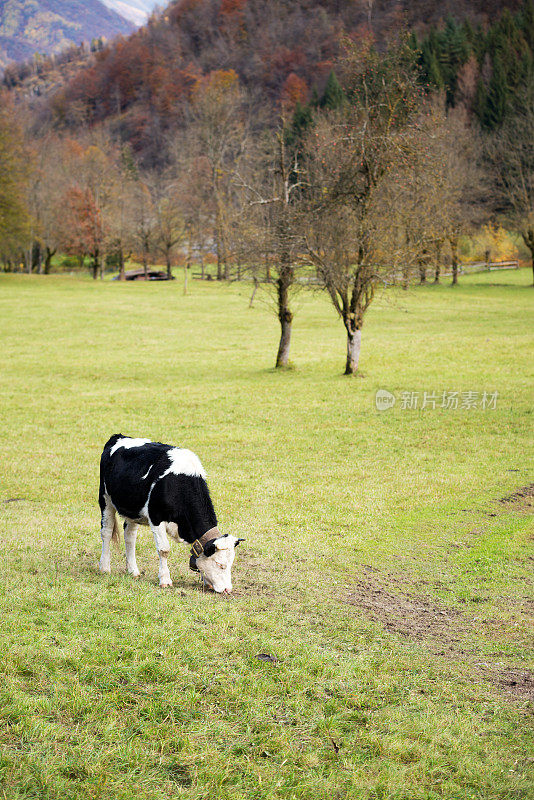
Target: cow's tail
{"points": [[115, 536]]}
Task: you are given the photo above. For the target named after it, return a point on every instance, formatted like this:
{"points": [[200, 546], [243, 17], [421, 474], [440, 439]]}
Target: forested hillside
{"points": [[486, 69], [280, 50], [49, 26], [263, 135]]}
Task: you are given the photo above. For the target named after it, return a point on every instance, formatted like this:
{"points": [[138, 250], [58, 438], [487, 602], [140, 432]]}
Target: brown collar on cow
{"points": [[199, 544]]}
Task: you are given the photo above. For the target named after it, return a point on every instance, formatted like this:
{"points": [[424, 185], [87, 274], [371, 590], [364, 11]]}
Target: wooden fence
{"points": [[482, 266], [463, 269]]}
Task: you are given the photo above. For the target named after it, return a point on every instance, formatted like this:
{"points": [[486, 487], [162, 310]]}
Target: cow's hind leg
{"points": [[130, 537], [163, 547], [109, 530]]}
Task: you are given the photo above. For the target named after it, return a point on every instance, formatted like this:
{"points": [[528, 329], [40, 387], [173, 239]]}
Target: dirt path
{"points": [[522, 500], [444, 630]]}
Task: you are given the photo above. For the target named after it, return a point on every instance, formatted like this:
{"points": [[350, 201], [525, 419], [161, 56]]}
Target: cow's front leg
{"points": [[130, 537], [109, 521], [163, 547]]}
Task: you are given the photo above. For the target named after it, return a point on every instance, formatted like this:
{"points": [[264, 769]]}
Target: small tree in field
{"points": [[83, 234], [432, 194], [143, 219], [352, 156], [460, 203], [87, 185], [47, 189], [170, 221], [270, 200], [119, 210], [218, 128]]}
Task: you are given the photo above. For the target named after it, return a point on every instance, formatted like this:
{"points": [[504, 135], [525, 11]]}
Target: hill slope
{"points": [[137, 11], [48, 26]]}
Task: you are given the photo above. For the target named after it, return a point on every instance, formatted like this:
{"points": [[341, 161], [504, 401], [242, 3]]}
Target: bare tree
{"points": [[270, 194], [171, 225], [119, 212], [143, 219], [460, 198], [86, 178], [353, 157], [218, 128]]}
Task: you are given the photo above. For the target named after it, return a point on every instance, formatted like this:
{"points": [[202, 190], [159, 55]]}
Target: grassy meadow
{"points": [[387, 568]]}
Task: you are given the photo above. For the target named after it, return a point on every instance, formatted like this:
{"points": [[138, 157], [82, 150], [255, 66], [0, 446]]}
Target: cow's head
{"points": [[215, 564]]}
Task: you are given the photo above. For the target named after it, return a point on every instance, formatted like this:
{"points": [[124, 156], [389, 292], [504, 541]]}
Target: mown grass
{"points": [[114, 689]]}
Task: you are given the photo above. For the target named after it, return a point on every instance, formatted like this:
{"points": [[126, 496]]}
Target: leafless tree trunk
{"points": [[253, 295], [285, 316], [528, 238], [422, 267], [145, 257], [354, 343], [122, 273], [188, 260], [48, 260], [437, 265], [168, 260], [454, 259], [219, 256], [267, 269]]}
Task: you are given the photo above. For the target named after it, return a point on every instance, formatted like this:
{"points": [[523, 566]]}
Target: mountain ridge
{"points": [[137, 11], [28, 27]]}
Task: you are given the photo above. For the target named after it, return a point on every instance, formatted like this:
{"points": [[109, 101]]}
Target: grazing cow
{"points": [[164, 487]]}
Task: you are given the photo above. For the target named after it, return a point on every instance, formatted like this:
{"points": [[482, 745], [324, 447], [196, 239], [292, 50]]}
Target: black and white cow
{"points": [[164, 487]]}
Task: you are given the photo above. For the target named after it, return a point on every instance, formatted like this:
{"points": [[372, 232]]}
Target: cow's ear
{"points": [[238, 541], [209, 549]]}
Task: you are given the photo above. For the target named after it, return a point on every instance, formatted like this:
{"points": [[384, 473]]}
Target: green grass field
{"points": [[381, 569]]}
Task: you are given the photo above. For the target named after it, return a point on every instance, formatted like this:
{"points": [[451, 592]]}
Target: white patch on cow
{"points": [[146, 473], [225, 542], [130, 537], [127, 442], [144, 519], [184, 462], [172, 531], [216, 570], [163, 547]]}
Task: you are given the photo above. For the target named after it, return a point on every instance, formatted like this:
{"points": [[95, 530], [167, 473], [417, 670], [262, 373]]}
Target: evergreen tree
{"points": [[497, 98], [480, 44], [509, 43], [435, 76], [469, 33], [527, 22], [480, 101], [333, 96], [302, 119]]}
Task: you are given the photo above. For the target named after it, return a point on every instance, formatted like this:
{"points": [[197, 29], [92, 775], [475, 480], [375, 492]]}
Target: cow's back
{"points": [[128, 468]]}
